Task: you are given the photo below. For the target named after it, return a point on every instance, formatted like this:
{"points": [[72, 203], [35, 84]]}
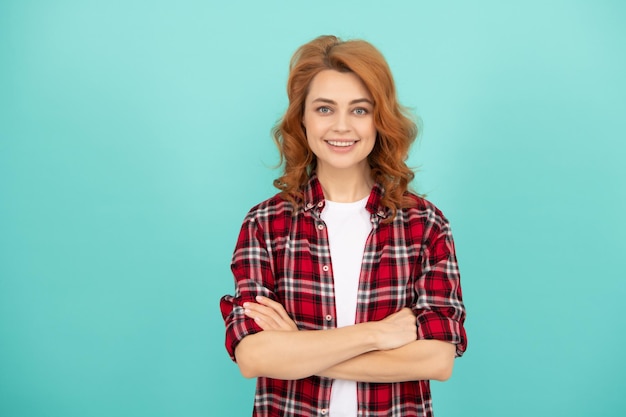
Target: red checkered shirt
{"points": [[283, 253]]}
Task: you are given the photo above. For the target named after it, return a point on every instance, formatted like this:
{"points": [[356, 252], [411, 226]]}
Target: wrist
{"points": [[372, 336]]}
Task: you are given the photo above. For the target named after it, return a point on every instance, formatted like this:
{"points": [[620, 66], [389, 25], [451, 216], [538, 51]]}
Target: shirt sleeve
{"points": [[252, 271], [439, 307]]}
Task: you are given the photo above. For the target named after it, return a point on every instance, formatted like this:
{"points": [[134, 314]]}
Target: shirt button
{"points": [[320, 226], [320, 204], [381, 213], [309, 205], [324, 411], [329, 317], [325, 268]]}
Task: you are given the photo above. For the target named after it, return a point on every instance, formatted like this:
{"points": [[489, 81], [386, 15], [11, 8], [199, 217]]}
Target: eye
{"points": [[323, 110], [360, 111]]}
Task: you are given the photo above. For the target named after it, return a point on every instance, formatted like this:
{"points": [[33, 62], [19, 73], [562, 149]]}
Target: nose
{"points": [[342, 124]]}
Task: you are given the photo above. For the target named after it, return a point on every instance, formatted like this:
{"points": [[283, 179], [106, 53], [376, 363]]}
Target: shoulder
{"points": [[428, 225], [268, 213], [424, 211]]}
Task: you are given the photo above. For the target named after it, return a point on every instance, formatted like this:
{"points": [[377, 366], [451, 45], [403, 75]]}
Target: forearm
{"points": [[299, 354], [421, 359]]}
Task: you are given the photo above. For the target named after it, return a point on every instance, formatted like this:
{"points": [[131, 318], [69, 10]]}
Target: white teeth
{"points": [[341, 143]]}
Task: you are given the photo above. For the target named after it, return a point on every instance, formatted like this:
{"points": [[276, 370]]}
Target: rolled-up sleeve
{"points": [[439, 307], [252, 271]]}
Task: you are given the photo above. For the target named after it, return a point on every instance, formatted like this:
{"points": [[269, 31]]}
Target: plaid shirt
{"points": [[283, 253]]}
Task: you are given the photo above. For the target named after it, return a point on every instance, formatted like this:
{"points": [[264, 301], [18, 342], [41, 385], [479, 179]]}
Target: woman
{"points": [[348, 297]]}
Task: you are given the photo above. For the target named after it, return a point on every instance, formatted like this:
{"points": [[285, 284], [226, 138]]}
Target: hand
{"points": [[397, 330], [269, 315]]}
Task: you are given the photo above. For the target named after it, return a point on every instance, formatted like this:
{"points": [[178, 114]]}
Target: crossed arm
{"points": [[382, 351]]}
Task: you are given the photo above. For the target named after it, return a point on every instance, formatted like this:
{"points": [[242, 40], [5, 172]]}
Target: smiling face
{"points": [[339, 122]]}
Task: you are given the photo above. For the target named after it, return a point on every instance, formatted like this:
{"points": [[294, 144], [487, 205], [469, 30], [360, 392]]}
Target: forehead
{"points": [[337, 86]]}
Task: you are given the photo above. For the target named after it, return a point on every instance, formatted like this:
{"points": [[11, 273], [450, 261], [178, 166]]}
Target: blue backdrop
{"points": [[134, 137]]}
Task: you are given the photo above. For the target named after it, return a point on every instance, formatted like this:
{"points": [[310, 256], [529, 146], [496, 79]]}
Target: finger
{"points": [[268, 302], [275, 310], [264, 321], [267, 324], [270, 317], [261, 309], [272, 324], [274, 305], [258, 310]]}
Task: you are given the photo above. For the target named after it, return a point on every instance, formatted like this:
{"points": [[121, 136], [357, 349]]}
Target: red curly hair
{"points": [[396, 129]]}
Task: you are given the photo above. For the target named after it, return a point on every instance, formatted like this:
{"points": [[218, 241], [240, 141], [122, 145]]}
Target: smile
{"points": [[342, 143]]}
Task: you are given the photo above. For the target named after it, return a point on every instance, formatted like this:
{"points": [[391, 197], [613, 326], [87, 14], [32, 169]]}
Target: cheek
{"points": [[369, 130], [314, 128], [311, 141]]}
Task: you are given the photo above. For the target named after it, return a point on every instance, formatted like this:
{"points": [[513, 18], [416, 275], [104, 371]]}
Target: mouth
{"points": [[341, 143]]}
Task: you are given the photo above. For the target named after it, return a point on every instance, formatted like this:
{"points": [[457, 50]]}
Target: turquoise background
{"points": [[134, 137]]}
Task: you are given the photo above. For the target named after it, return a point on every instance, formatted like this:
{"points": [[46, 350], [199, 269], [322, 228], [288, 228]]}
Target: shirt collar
{"points": [[313, 196]]}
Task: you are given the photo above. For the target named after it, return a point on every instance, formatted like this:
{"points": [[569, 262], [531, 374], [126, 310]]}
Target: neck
{"points": [[345, 186]]}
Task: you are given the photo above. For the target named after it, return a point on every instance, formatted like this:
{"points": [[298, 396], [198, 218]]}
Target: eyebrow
{"points": [[356, 101]]}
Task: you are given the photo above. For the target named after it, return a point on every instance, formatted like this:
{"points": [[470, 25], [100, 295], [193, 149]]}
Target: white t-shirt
{"points": [[348, 226]]}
